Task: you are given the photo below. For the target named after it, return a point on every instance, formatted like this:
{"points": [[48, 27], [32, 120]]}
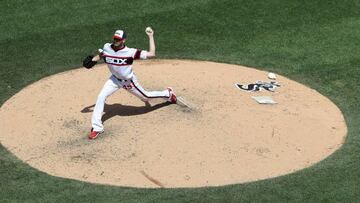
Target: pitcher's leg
{"points": [[109, 88], [137, 90]]}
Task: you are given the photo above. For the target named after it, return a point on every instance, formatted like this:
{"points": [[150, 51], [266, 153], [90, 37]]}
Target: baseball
{"points": [[272, 76], [148, 29]]}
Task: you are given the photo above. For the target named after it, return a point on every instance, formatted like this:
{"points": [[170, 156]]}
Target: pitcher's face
{"points": [[118, 42]]}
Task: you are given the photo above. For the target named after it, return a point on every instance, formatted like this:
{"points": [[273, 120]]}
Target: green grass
{"points": [[313, 42]]}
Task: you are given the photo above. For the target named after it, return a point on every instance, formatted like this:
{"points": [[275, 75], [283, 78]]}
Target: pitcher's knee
{"points": [[101, 97]]}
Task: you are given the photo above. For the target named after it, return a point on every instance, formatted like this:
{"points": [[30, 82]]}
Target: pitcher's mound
{"points": [[226, 138]]}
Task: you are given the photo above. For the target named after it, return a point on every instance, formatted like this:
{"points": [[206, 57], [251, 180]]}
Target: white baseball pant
{"points": [[112, 85]]}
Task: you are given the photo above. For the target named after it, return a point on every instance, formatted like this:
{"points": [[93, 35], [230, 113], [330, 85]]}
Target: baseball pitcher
{"points": [[119, 59]]}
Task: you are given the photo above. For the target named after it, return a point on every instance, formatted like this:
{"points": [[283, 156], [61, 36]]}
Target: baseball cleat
{"points": [[172, 97], [94, 134]]}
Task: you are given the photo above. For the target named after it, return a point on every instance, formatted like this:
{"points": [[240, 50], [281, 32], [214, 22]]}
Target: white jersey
{"points": [[120, 61]]}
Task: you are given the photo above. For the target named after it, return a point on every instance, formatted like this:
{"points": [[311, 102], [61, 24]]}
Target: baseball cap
{"points": [[119, 34]]}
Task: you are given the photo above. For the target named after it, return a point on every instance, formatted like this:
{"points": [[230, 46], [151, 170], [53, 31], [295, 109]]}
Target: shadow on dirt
{"points": [[124, 110]]}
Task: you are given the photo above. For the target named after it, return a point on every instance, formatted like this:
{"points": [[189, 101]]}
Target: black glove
{"points": [[88, 63]]}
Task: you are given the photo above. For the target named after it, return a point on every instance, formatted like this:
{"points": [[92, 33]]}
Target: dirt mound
{"points": [[228, 138]]}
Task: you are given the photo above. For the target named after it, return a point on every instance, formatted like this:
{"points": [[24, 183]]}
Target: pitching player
{"points": [[119, 59]]}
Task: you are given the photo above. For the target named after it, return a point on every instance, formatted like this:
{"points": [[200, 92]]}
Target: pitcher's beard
{"points": [[117, 47]]}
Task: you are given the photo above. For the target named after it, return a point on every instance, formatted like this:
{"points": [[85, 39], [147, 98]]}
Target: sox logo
{"points": [[118, 61], [258, 86]]}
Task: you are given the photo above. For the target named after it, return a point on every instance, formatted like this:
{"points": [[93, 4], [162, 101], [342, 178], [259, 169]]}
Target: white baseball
{"points": [[272, 76], [148, 29]]}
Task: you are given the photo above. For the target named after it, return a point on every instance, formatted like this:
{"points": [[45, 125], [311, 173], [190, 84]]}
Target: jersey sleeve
{"points": [[140, 54], [106, 48], [143, 54]]}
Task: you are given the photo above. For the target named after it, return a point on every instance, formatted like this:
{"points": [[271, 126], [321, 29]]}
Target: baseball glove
{"points": [[88, 62]]}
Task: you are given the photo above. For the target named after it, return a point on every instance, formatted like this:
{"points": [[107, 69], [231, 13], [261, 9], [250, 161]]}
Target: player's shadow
{"points": [[124, 110]]}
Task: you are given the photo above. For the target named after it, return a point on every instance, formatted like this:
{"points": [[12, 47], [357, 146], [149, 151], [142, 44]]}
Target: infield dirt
{"points": [[227, 138]]}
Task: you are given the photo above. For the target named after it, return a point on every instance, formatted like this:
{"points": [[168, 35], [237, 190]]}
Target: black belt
{"points": [[121, 80]]}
